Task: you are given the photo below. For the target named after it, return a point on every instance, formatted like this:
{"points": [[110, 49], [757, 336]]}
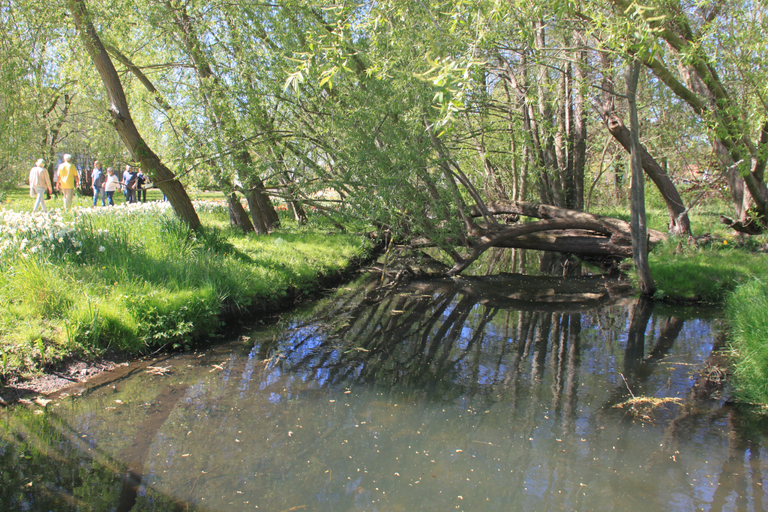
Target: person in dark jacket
{"points": [[141, 192], [129, 184]]}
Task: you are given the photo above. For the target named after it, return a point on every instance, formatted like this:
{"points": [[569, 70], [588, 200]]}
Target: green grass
{"points": [[705, 273], [746, 310], [709, 271], [136, 279]]}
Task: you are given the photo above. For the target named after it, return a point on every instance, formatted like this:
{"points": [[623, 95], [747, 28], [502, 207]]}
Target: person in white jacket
{"points": [[39, 182], [112, 184]]}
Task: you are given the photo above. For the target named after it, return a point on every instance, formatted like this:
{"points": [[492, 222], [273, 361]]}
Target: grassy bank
{"points": [[747, 309], [133, 279], [722, 268], [731, 273], [709, 272]]}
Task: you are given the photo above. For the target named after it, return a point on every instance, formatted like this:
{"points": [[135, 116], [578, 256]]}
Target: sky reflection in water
{"points": [[446, 395]]}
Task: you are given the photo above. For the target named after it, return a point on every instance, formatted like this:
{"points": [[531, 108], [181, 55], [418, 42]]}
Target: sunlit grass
{"points": [[134, 278], [708, 273], [747, 308]]}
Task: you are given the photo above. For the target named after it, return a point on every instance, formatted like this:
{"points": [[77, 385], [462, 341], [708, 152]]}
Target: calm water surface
{"points": [[471, 394]]}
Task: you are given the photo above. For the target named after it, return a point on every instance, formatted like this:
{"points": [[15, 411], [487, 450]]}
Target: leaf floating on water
{"points": [[158, 370], [217, 367]]}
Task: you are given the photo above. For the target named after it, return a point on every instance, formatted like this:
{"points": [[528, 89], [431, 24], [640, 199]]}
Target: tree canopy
{"points": [[417, 117]]}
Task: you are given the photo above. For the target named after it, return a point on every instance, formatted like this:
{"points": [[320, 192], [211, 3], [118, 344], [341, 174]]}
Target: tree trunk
{"points": [[679, 224], [579, 138], [592, 237], [158, 173], [257, 214], [637, 205], [271, 219], [237, 214]]}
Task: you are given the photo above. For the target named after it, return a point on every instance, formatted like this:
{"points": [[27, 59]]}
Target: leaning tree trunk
{"points": [[238, 216], [158, 173], [589, 236], [679, 224]]}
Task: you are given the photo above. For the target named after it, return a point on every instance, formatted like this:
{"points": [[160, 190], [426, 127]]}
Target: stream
{"points": [[502, 393]]}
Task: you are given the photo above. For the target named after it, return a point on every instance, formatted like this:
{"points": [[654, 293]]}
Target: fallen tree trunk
{"points": [[751, 227], [590, 237]]}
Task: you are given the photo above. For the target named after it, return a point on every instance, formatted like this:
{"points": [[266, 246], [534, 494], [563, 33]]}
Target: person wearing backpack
{"points": [[97, 182]]}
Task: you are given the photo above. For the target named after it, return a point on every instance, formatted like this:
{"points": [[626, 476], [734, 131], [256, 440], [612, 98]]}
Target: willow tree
{"points": [[406, 102], [121, 118], [710, 56], [191, 31]]}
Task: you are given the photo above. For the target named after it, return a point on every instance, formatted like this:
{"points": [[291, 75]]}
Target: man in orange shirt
{"points": [[67, 180]]}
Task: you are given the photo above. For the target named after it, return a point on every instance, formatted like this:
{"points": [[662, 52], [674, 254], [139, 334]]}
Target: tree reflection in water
{"points": [[490, 393]]}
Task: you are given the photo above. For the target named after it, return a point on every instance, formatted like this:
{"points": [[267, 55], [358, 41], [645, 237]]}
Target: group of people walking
{"points": [[132, 183]]}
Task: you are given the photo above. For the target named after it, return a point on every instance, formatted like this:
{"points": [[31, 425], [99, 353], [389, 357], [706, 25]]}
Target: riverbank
{"points": [[84, 289], [726, 270]]}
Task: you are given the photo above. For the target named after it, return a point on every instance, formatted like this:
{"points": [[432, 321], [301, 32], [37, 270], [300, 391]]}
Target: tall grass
{"points": [[135, 278], [746, 310]]}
